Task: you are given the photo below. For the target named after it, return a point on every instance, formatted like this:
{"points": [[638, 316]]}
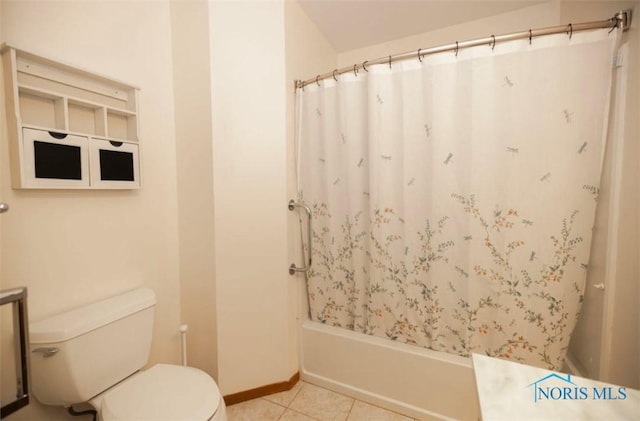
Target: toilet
{"points": [[95, 354]]}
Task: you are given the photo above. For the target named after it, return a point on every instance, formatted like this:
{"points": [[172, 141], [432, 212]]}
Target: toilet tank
{"points": [[80, 353]]}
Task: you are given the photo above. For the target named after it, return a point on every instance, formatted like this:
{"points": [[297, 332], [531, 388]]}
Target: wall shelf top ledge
{"points": [[66, 125]]}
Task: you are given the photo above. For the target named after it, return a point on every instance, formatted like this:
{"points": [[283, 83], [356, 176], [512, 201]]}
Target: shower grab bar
{"points": [[293, 268]]}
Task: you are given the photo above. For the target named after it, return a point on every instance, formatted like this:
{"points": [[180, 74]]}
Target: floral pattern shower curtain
{"points": [[453, 198]]}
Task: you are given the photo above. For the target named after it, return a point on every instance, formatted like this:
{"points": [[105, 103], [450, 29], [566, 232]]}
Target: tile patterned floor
{"points": [[307, 402]]}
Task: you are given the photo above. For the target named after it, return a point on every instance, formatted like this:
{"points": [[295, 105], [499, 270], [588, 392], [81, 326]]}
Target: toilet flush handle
{"points": [[46, 352]]}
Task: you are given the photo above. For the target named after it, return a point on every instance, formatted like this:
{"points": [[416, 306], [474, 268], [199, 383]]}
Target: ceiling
{"points": [[351, 24]]}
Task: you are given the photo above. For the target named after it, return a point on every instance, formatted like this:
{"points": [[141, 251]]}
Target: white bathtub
{"points": [[416, 382]]}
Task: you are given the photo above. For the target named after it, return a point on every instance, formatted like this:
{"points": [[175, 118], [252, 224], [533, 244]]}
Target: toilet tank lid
{"points": [[76, 322]]}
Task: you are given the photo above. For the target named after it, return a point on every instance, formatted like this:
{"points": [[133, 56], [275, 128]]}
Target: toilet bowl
{"points": [[162, 392], [95, 354]]}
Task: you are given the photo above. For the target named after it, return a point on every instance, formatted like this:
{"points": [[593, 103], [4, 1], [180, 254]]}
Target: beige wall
{"points": [[195, 61], [546, 14], [194, 156], [247, 49], [73, 247], [225, 75], [256, 50]]}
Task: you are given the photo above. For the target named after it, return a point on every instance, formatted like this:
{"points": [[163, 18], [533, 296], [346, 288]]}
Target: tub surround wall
{"points": [[307, 53], [606, 341]]}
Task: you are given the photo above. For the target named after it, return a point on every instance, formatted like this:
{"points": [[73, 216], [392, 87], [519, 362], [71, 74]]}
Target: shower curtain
{"points": [[453, 197]]}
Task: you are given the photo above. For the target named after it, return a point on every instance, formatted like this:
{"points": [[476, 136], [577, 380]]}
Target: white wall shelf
{"points": [[48, 101]]}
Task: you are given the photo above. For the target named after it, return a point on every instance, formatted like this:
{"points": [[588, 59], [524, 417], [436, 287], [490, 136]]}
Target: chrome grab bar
{"points": [[293, 268]]}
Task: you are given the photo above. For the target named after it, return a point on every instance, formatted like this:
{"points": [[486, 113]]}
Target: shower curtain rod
{"points": [[621, 20]]}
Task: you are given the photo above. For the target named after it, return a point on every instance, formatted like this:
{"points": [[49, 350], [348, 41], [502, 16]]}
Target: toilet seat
{"points": [[163, 392]]}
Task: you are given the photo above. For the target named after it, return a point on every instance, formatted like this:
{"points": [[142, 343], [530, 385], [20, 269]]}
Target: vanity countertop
{"points": [[508, 390]]}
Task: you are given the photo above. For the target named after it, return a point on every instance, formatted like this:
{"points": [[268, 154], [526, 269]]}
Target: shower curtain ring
{"points": [[570, 32], [364, 65], [456, 48], [493, 42], [615, 21], [530, 36], [389, 62], [355, 71], [334, 75], [419, 57], [318, 77]]}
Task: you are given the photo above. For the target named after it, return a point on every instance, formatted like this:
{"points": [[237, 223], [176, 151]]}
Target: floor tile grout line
{"points": [[353, 402], [267, 400], [298, 412], [297, 393], [387, 410], [288, 406], [314, 385], [266, 397], [320, 387]]}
